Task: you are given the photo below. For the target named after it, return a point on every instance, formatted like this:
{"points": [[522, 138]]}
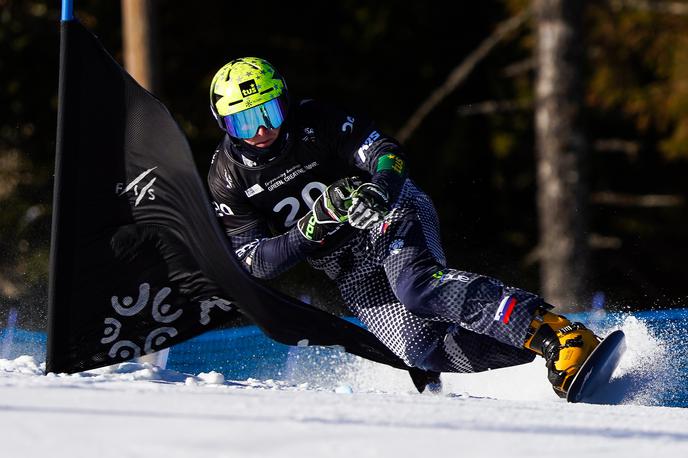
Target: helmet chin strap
{"points": [[264, 155]]}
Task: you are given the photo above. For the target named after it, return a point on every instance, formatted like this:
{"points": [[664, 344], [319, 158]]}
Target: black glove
{"points": [[329, 210], [369, 205]]}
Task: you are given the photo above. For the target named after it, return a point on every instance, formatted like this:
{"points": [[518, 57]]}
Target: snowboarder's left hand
{"points": [[369, 205], [329, 210]]}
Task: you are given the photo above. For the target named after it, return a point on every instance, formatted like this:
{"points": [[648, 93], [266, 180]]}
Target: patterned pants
{"points": [[395, 280]]}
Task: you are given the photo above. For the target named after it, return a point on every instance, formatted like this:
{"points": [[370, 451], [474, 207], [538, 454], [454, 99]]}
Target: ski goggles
{"points": [[245, 124]]}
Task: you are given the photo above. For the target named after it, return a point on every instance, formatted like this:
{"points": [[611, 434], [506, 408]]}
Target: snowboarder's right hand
{"points": [[369, 205], [329, 211]]}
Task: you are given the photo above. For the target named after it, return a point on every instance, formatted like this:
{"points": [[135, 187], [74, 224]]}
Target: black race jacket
{"points": [[260, 198]]}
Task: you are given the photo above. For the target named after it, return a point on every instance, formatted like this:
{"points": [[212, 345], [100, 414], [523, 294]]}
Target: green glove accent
{"points": [[329, 211]]}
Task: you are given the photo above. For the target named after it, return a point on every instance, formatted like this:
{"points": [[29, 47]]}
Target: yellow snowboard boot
{"points": [[564, 345]]}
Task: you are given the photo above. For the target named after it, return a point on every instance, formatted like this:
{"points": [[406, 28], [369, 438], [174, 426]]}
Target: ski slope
{"points": [[139, 410]]}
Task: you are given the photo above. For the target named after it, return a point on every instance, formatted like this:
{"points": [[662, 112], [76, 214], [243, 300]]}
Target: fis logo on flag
{"points": [[140, 187]]}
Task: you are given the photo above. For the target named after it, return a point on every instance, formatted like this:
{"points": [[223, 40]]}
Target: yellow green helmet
{"points": [[248, 93]]}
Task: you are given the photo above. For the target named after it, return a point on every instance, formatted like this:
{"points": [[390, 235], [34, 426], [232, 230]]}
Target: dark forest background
{"points": [[474, 153]]}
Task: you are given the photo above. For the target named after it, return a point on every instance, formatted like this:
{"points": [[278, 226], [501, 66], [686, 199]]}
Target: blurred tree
{"points": [[28, 83], [139, 27], [461, 72], [640, 58], [561, 152], [29, 51]]}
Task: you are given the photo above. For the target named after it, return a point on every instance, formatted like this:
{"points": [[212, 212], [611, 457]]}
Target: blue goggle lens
{"points": [[245, 124]]}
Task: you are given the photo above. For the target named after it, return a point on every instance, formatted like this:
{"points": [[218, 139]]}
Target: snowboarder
{"points": [[296, 180]]}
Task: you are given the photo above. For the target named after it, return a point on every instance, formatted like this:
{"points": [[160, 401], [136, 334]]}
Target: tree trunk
{"points": [[561, 153], [140, 43]]}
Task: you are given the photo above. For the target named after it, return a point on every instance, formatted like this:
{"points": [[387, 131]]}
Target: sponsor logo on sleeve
{"points": [[443, 276], [396, 246], [374, 135], [390, 162], [244, 249]]}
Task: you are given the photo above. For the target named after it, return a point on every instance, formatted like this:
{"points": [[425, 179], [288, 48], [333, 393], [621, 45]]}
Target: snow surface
{"points": [[140, 410]]}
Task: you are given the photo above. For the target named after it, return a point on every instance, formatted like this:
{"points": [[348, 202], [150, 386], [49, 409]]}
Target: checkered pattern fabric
{"points": [[395, 280]]}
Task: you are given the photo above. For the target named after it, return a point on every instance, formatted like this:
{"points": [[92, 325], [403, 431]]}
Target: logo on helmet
{"points": [[248, 87]]}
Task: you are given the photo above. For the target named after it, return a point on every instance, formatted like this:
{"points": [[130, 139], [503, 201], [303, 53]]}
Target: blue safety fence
{"points": [[17, 342], [238, 353], [244, 352]]}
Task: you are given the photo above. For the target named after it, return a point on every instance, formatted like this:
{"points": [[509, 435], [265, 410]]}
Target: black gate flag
{"points": [[138, 259]]}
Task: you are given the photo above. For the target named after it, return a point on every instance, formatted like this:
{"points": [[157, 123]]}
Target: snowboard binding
{"points": [[565, 346]]}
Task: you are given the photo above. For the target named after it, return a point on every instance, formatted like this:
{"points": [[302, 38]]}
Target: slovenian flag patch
{"points": [[506, 306]]}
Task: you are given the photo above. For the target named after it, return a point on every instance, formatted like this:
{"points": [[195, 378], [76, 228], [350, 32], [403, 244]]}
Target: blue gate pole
{"points": [[67, 10], [8, 338]]}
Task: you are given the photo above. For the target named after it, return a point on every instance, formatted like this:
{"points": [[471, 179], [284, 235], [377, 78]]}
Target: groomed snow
{"points": [[139, 410]]}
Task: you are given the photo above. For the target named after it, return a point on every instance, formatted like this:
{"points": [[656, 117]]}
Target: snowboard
{"points": [[596, 371]]}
